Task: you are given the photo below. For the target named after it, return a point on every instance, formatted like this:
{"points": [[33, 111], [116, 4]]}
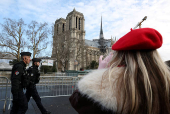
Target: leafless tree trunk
{"points": [[12, 37], [38, 35], [67, 49], [63, 49], [80, 52]]}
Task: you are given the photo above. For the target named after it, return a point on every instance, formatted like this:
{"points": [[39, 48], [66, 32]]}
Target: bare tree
{"points": [[38, 35], [81, 49], [63, 46], [67, 49], [11, 37]]}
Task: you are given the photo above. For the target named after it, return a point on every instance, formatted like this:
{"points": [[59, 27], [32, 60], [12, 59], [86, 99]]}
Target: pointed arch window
{"points": [[79, 23], [63, 27], [70, 24], [76, 22], [57, 28]]}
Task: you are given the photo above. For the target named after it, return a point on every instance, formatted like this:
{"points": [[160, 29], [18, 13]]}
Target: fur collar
{"points": [[104, 94]]}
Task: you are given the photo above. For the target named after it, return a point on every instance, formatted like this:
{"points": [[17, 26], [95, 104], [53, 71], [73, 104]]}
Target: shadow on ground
{"points": [[56, 105]]}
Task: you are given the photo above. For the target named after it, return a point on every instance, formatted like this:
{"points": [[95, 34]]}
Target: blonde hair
{"points": [[144, 84]]}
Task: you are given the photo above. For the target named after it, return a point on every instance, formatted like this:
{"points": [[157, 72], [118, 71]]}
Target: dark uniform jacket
{"points": [[18, 77], [34, 75], [95, 95]]}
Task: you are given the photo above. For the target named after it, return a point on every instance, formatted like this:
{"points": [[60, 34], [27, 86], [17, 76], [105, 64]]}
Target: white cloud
{"points": [[5, 6], [118, 15]]}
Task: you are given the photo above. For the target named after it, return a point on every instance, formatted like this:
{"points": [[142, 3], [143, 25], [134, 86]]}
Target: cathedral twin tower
{"points": [[73, 28]]}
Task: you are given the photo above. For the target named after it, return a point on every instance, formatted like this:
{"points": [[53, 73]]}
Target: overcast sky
{"points": [[118, 15]]}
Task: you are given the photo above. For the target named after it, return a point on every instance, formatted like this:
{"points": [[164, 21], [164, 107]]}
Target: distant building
{"points": [[5, 67], [73, 27], [46, 61]]}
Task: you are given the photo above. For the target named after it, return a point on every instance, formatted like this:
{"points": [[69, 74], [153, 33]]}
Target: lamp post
{"points": [[139, 23]]}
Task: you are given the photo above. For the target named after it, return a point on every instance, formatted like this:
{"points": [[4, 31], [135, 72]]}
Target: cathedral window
{"points": [[63, 27], [79, 23], [76, 22], [57, 28], [70, 24]]}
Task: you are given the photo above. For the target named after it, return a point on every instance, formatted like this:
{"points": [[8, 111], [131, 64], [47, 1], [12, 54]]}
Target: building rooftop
{"points": [[5, 66], [96, 44]]}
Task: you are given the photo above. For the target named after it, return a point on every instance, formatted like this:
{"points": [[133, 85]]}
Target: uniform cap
{"points": [[36, 60], [139, 39], [25, 53]]}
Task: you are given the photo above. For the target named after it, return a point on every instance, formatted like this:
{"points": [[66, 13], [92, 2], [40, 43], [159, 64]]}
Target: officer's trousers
{"points": [[20, 105], [33, 92]]}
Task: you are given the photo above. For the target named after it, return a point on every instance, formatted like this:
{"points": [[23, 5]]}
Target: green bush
{"points": [[93, 65], [54, 68], [46, 69], [12, 62]]}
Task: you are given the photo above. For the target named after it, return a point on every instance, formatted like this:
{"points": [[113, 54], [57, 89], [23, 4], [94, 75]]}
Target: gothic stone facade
{"points": [[73, 27]]}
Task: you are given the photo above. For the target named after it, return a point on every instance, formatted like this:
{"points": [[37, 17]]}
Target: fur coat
{"points": [[95, 95]]}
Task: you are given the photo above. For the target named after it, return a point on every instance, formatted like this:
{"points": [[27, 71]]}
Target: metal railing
{"points": [[49, 86], [54, 86], [4, 81], [59, 74]]}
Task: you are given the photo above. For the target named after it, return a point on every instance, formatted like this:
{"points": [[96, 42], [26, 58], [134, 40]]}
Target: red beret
{"points": [[139, 39]]}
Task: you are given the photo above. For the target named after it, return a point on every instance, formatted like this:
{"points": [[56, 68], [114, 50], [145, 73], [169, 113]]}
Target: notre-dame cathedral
{"points": [[73, 27]]}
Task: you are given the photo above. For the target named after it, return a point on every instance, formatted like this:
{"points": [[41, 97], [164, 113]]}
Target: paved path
{"points": [[57, 105]]}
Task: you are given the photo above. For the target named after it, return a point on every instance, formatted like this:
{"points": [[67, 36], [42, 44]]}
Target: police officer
{"points": [[31, 89], [19, 81]]}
